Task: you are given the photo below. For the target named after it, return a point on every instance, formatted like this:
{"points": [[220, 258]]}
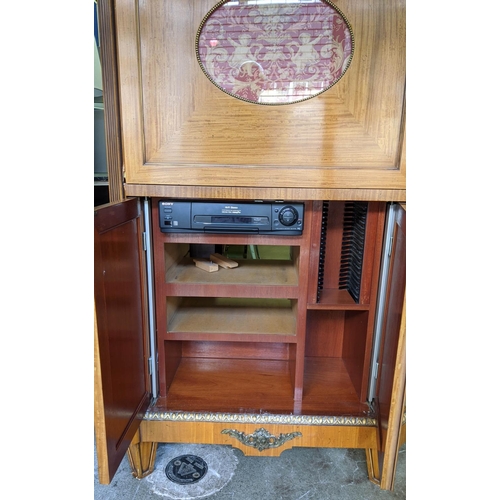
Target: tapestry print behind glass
{"points": [[274, 51]]}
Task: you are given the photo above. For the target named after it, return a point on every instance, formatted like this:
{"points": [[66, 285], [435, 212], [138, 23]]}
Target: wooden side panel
{"points": [[181, 130], [121, 380]]}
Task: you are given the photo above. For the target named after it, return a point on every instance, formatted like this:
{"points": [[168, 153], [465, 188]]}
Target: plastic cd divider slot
{"points": [[322, 249]]}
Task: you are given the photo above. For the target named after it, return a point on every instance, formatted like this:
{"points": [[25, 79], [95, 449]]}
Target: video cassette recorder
{"points": [[277, 218]]}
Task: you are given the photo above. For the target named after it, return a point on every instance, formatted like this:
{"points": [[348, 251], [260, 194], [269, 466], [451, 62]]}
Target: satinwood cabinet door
{"points": [[391, 380], [181, 129]]}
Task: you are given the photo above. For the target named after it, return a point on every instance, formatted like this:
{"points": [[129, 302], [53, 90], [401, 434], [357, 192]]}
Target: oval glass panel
{"points": [[274, 51]]}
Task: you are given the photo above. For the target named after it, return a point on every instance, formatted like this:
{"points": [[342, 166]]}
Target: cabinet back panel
{"points": [[235, 350], [325, 333], [356, 348]]}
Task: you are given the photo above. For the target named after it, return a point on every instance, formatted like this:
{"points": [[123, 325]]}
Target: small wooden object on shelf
{"points": [[206, 265], [223, 261]]}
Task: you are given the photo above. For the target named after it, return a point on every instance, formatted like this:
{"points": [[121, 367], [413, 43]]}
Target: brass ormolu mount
{"points": [[261, 439]]}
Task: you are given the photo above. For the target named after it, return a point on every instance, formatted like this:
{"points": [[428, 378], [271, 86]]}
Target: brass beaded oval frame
{"points": [[200, 62]]}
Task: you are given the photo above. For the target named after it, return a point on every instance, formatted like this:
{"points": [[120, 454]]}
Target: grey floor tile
{"points": [[298, 474]]}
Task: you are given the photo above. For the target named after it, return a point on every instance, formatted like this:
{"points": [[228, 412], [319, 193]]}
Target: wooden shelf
{"points": [[335, 299], [231, 239], [261, 386], [255, 278], [327, 384], [224, 318]]}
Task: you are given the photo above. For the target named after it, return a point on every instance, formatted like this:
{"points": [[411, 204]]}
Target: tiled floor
{"points": [[298, 474]]}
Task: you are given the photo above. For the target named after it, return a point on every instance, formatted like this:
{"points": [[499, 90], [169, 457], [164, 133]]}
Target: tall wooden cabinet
{"points": [[279, 351]]}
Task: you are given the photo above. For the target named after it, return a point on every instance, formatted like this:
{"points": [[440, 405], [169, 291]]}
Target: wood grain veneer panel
{"points": [[266, 193], [179, 129], [211, 433]]}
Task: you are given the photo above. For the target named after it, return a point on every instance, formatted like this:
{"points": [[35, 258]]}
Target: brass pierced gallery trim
{"points": [[173, 416], [261, 439]]}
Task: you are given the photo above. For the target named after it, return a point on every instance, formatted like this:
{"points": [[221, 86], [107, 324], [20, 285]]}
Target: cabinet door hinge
{"points": [[391, 241], [144, 242], [376, 370], [150, 366]]}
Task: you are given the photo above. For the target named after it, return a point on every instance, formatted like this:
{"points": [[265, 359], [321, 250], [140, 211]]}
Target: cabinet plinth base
{"points": [[256, 435]]}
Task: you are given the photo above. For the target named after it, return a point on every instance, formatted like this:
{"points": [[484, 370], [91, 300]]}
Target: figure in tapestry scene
{"points": [[241, 50], [306, 54]]}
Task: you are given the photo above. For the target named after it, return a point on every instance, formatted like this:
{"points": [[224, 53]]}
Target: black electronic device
{"points": [[259, 217]]}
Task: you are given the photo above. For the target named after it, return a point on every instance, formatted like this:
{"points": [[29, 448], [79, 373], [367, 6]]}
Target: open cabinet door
{"points": [[391, 378], [121, 373]]}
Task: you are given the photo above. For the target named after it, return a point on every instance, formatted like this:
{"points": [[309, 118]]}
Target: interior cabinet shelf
{"points": [[335, 299], [260, 386], [229, 317], [239, 384], [254, 278], [232, 239]]}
